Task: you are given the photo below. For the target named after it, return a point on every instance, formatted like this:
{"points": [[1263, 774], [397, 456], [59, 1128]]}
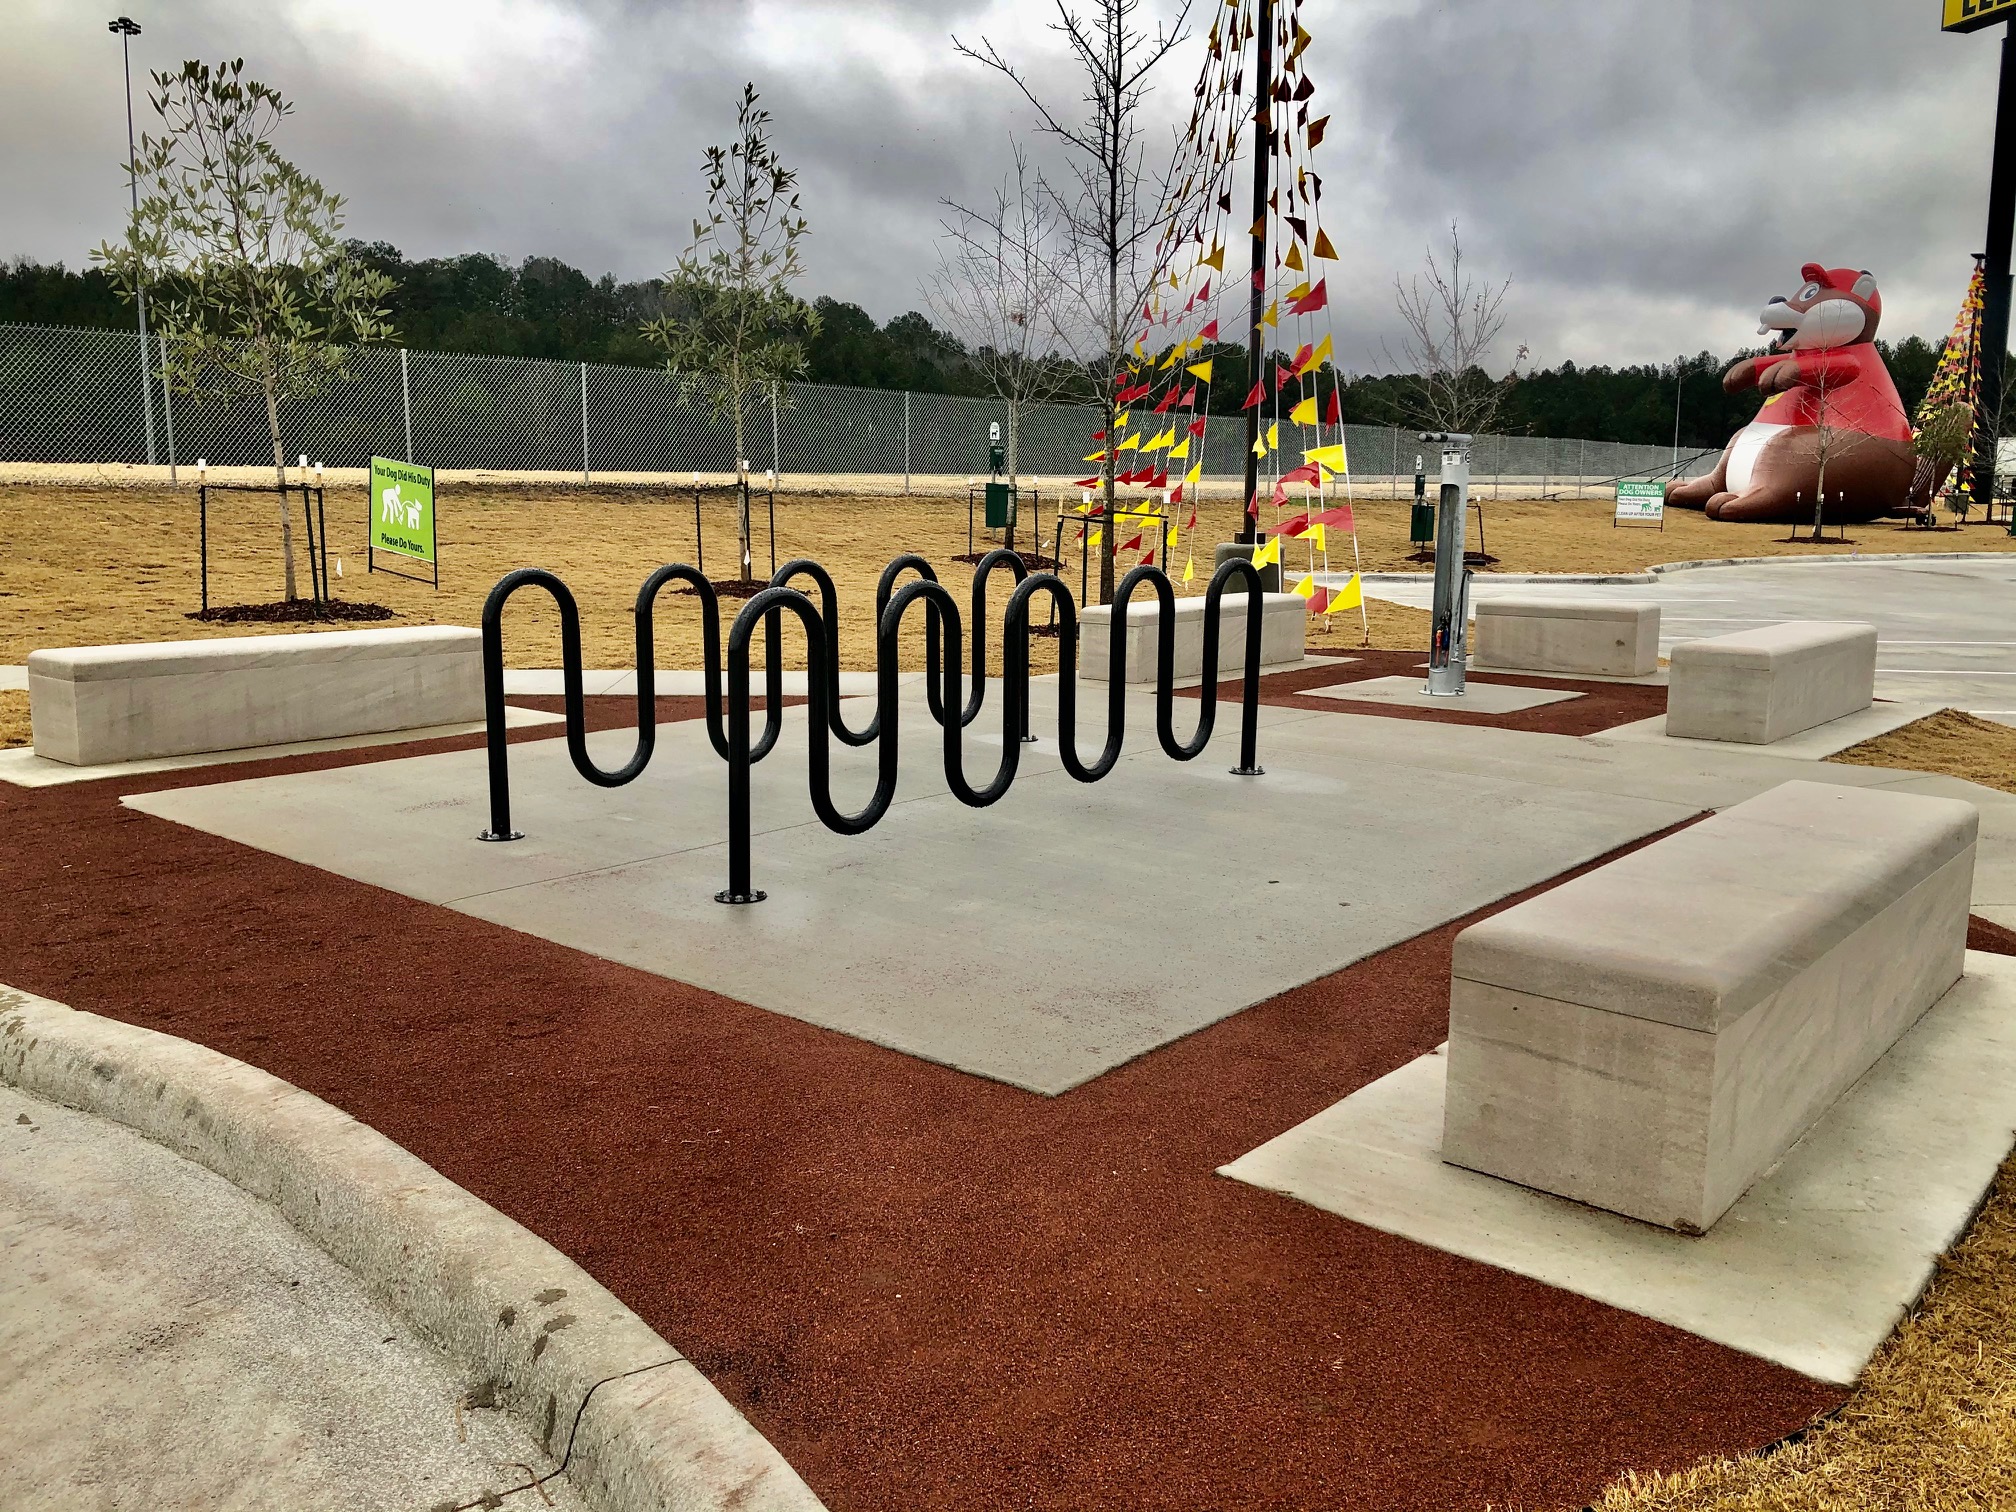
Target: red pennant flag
{"points": [[1340, 517], [1205, 293], [1256, 396], [1308, 472], [1282, 378], [1196, 427], [1299, 226], [1253, 506], [1193, 518], [1319, 601], [1333, 413], [1098, 435], [1210, 331], [1301, 356], [1313, 301], [1160, 480], [1133, 545], [1176, 494], [1167, 400], [1294, 527], [1189, 398], [1149, 559], [1280, 494], [1091, 482]]}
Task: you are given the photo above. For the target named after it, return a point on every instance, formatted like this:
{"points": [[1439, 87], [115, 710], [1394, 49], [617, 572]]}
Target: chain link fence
{"points": [[72, 397]]}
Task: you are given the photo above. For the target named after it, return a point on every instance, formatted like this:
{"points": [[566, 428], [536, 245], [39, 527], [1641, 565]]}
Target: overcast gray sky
{"points": [[1647, 175]]}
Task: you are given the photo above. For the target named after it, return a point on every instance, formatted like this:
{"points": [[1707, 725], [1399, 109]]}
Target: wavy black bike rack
{"points": [[943, 691]]}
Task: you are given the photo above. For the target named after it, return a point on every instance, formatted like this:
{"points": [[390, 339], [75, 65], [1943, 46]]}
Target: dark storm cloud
{"points": [[1647, 175]]}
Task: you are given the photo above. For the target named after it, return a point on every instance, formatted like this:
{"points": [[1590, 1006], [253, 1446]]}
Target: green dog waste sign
{"points": [[402, 515]]}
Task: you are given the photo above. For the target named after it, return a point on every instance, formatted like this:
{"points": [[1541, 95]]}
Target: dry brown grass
{"points": [[13, 718], [1949, 742], [1931, 1428], [105, 565]]}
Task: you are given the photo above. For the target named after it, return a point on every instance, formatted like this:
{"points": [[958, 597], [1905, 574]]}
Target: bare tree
{"points": [[995, 291], [1451, 321], [1114, 211]]}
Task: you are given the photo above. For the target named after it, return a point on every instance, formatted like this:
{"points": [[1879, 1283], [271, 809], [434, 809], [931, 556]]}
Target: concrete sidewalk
{"points": [[171, 1341]]}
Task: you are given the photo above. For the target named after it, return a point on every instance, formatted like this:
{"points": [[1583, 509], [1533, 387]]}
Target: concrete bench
{"points": [[90, 705], [1757, 686], [1530, 633], [1651, 1036], [1284, 629]]}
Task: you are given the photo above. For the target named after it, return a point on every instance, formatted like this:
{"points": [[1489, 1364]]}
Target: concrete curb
{"points": [[1513, 577], [634, 1424]]}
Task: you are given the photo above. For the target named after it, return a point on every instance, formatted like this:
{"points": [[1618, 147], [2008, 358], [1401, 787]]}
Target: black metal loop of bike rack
{"points": [[944, 632]]}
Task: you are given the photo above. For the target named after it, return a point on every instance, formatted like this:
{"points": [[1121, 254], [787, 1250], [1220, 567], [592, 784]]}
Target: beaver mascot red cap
{"points": [[1830, 408]]}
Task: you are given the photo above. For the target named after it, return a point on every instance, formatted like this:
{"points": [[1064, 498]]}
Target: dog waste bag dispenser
{"points": [[1000, 495]]}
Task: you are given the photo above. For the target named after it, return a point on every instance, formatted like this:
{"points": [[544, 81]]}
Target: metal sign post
{"points": [[1448, 628]]}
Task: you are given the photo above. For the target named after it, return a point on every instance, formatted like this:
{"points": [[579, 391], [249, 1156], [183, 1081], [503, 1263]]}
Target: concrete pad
{"points": [[172, 1341], [552, 682], [1815, 744], [1477, 698], [13, 679], [1811, 1268], [982, 940], [24, 768]]}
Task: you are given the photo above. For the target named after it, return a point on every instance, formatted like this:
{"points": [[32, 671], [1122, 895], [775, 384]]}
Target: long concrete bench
{"points": [[1757, 686], [89, 705], [1651, 1036], [1532, 633], [1284, 629]]}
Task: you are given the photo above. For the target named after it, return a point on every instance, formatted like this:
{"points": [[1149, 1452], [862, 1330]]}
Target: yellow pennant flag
{"points": [[1350, 596], [1306, 589], [1096, 457], [1316, 358], [1189, 568], [1180, 450], [1175, 356], [1217, 258], [1314, 536], [1273, 435], [1294, 257], [1128, 443], [1300, 291], [1260, 447], [1273, 315], [1195, 473], [1201, 369], [1170, 539], [1323, 249], [1305, 412], [1268, 555], [1331, 457], [1096, 535]]}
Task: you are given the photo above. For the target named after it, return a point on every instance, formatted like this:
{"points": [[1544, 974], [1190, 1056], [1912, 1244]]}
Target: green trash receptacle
{"points": [[1422, 529], [1000, 505]]}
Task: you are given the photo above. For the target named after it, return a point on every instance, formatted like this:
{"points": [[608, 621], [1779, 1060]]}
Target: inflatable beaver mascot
{"points": [[1826, 391]]}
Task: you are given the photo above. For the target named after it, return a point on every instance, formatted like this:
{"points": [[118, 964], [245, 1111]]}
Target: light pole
{"points": [[127, 29]]}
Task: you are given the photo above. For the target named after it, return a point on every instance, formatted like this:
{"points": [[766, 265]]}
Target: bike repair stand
{"points": [[1448, 643]]}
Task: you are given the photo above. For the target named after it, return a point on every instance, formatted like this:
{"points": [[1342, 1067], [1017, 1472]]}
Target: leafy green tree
{"points": [[256, 292], [733, 323]]}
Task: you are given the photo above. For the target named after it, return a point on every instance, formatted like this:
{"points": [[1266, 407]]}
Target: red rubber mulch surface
{"points": [[1603, 705], [929, 1290]]}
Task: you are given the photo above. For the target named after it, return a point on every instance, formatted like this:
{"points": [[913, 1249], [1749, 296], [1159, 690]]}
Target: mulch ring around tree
{"points": [[292, 611], [931, 1291]]}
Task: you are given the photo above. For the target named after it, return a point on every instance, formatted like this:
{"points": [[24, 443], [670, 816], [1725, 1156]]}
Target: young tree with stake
{"points": [[1449, 322], [993, 290], [733, 321], [1113, 219], [254, 290]]}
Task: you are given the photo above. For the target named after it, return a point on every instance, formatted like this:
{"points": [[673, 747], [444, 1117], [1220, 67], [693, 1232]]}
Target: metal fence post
{"points": [[776, 458], [167, 409], [584, 422], [146, 386], [406, 400], [1394, 432], [906, 443]]}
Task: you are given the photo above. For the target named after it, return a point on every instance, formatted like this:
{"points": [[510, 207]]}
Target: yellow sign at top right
{"points": [[1970, 15]]}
